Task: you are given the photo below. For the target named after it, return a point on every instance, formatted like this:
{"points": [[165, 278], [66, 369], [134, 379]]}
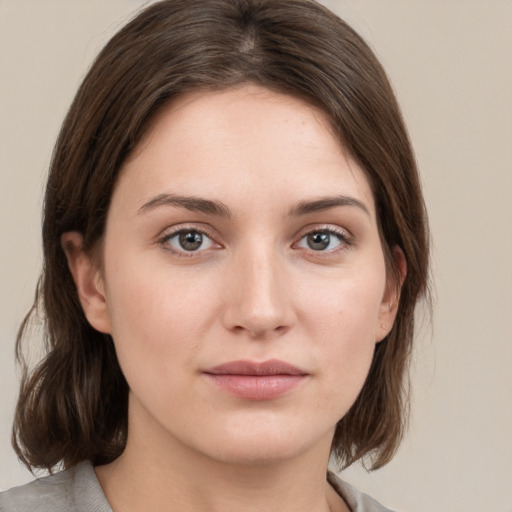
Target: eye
{"points": [[187, 241], [324, 240]]}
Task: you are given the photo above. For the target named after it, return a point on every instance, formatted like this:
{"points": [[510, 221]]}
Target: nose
{"points": [[258, 299]]}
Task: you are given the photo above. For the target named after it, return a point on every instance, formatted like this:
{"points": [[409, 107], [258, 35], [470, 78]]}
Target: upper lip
{"points": [[255, 368]]}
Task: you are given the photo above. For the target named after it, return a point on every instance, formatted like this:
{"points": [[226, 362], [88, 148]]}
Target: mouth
{"points": [[252, 380]]}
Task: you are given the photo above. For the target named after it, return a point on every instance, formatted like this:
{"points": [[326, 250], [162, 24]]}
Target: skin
{"points": [[255, 289]]}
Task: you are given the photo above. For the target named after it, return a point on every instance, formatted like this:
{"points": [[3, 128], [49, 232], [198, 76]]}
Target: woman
{"points": [[235, 241]]}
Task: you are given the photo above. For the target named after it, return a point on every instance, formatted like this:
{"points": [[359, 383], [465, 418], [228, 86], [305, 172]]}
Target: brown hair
{"points": [[73, 405]]}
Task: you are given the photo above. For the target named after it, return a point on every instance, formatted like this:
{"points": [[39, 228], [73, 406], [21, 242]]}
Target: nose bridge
{"points": [[259, 299]]}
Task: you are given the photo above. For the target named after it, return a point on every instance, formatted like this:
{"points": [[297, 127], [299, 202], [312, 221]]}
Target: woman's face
{"points": [[243, 278]]}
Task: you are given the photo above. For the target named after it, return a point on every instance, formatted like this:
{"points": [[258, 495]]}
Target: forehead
{"points": [[210, 113], [247, 140]]}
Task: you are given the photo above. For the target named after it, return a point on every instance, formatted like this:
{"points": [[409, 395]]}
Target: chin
{"points": [[257, 453], [266, 445]]}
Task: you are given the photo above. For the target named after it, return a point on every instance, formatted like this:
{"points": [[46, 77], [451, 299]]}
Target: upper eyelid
{"points": [[301, 232], [324, 227], [172, 231]]}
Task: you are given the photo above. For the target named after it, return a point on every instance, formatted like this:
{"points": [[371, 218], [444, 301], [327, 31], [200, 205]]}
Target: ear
{"points": [[88, 281], [389, 305]]}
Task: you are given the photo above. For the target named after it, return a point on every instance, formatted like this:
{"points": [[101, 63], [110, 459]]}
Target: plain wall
{"points": [[450, 63]]}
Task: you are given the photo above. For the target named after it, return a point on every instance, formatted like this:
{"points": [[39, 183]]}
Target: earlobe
{"points": [[88, 281], [391, 298]]}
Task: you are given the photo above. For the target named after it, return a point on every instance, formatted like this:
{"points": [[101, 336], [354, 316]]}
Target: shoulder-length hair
{"points": [[73, 405]]}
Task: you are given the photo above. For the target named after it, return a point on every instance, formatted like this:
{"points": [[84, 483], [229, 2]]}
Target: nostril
{"points": [[264, 332]]}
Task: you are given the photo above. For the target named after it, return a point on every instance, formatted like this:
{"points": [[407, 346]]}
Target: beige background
{"points": [[450, 62]]}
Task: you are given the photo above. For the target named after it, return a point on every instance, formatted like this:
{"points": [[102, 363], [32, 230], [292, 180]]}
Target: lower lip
{"points": [[256, 387]]}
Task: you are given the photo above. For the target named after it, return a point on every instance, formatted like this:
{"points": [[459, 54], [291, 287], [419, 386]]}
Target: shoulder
{"points": [[357, 501], [75, 489]]}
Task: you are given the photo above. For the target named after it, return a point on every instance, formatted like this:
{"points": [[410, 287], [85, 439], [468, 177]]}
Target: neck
{"points": [[148, 476]]}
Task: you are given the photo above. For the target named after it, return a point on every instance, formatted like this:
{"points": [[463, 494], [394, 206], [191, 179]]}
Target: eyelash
{"points": [[345, 240]]}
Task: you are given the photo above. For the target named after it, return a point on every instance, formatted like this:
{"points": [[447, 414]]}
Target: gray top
{"points": [[78, 490]]}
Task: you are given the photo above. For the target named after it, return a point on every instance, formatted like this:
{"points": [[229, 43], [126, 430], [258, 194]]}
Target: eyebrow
{"points": [[201, 205], [191, 203], [326, 203]]}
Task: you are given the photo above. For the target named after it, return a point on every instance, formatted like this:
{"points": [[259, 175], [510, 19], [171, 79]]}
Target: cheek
{"points": [[347, 304], [343, 321], [157, 316]]}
